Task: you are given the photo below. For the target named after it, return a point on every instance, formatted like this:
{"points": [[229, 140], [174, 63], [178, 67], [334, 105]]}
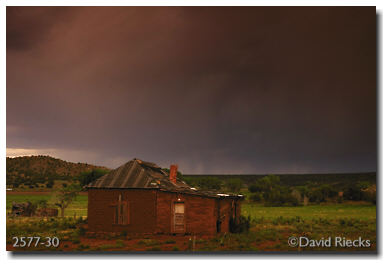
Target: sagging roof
{"points": [[138, 174]]}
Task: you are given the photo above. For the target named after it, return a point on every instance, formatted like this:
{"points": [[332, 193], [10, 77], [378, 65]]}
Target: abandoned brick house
{"points": [[140, 197]]}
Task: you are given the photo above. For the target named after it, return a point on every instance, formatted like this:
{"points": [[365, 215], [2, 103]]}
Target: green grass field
{"points": [[333, 211], [78, 206]]}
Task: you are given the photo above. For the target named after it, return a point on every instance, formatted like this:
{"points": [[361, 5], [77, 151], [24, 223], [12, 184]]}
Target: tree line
{"points": [[270, 190]]}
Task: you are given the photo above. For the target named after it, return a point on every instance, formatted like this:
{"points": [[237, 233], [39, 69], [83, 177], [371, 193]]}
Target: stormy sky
{"points": [[213, 89]]}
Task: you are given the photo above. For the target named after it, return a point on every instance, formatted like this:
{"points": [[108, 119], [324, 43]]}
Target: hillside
{"points": [[34, 171]]}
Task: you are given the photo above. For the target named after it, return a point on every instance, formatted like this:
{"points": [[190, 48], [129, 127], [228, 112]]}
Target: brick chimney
{"points": [[173, 173]]}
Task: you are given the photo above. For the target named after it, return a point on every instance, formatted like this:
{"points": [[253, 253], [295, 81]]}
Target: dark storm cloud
{"points": [[217, 90], [27, 27]]}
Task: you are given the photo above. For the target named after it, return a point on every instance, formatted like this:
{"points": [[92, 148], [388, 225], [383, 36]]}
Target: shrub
{"points": [[148, 242], [279, 220], [42, 204], [154, 249], [353, 193], [234, 184], [241, 226], [82, 247], [82, 231], [369, 196], [316, 196], [254, 188], [89, 176], [120, 243], [50, 184], [175, 248], [106, 246], [213, 183], [256, 197]]}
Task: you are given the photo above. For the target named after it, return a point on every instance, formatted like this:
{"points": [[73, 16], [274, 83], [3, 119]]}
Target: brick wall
{"points": [[101, 210], [200, 215], [151, 211]]}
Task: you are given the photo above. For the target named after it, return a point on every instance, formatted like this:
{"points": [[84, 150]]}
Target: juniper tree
{"points": [[65, 196]]}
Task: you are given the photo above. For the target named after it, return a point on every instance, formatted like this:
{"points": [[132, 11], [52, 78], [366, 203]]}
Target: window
{"points": [[122, 212]]}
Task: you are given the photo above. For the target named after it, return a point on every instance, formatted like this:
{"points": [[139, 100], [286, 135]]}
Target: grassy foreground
{"points": [[270, 228]]}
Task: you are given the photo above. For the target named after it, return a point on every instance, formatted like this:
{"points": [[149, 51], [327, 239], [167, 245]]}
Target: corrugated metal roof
{"points": [[138, 174]]}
